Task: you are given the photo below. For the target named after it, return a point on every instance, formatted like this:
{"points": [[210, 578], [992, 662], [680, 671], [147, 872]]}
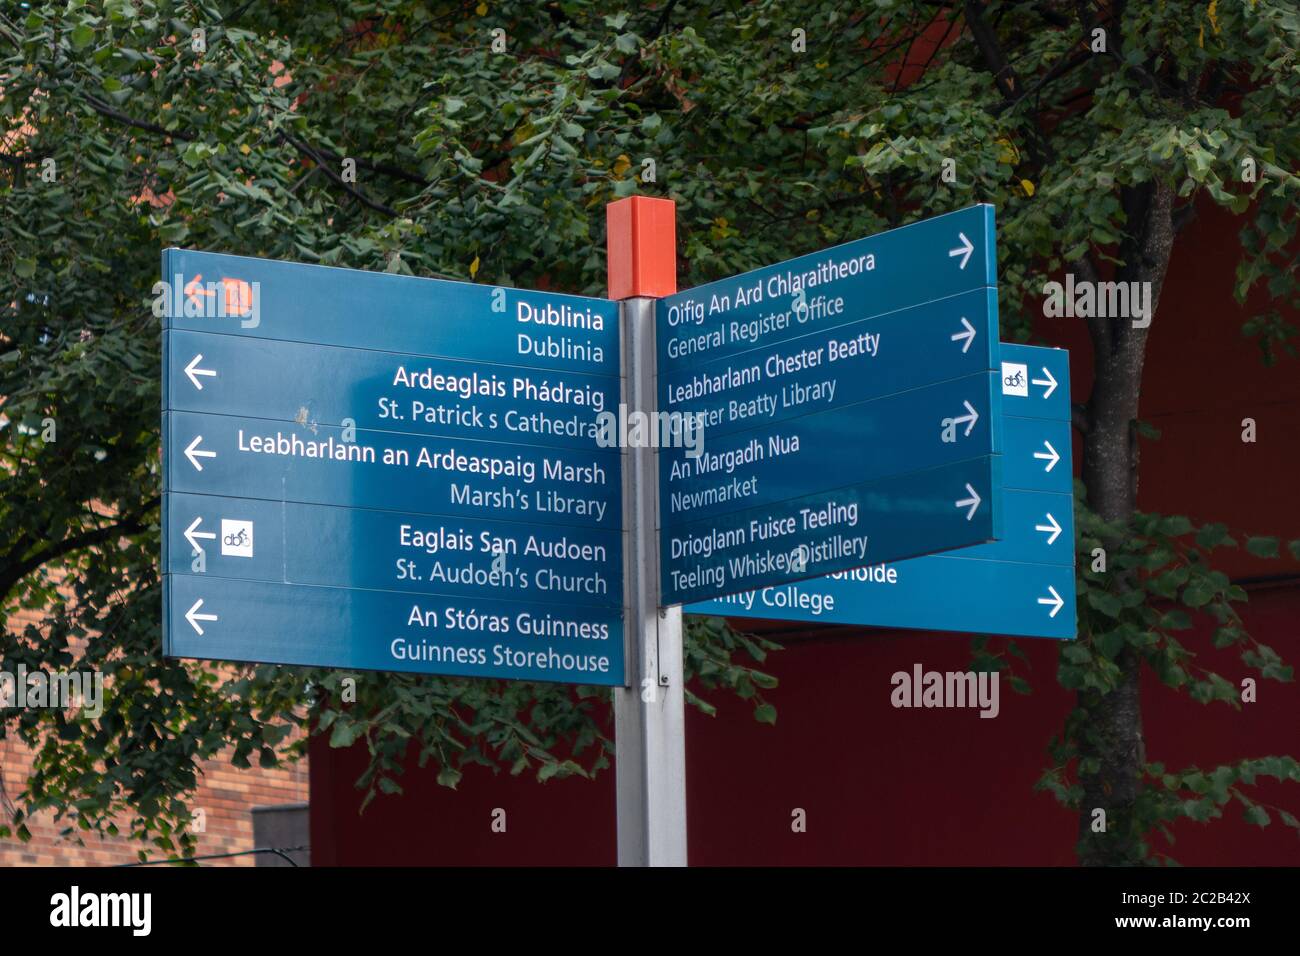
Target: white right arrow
{"points": [[969, 419], [1054, 601], [973, 501], [964, 250], [1050, 382], [194, 454], [1051, 526], [191, 534], [193, 369], [193, 616], [1050, 456], [968, 335]]}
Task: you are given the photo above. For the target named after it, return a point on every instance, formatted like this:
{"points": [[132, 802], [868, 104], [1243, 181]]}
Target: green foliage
{"points": [[1158, 583], [497, 167]]}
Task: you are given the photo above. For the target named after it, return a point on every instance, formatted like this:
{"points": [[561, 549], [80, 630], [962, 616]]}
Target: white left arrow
{"points": [[968, 335], [964, 250], [193, 370], [1050, 456], [191, 535], [1054, 601], [193, 616], [194, 454], [973, 501], [1051, 526], [1050, 382]]}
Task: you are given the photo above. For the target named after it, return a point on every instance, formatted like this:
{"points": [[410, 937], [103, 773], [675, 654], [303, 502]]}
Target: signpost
{"points": [[850, 407], [372, 471], [375, 471], [1021, 585]]}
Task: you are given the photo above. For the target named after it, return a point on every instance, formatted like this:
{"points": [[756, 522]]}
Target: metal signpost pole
{"points": [[649, 714], [649, 711]]}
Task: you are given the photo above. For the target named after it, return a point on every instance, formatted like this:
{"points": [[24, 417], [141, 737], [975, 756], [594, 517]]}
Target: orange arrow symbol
{"points": [[194, 290]]}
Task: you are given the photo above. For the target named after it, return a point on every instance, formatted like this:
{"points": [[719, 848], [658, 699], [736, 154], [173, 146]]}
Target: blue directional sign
{"points": [[375, 471], [933, 593], [923, 262], [265, 299], [276, 460], [326, 385], [862, 380], [1020, 585], [263, 540], [831, 368], [257, 621]]}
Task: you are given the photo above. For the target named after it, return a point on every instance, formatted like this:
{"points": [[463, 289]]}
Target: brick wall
{"points": [[226, 794]]}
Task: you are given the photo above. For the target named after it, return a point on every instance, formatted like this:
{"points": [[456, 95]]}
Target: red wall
{"points": [[887, 786]]}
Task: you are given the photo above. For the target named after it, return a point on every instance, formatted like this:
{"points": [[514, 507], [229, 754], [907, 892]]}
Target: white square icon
{"points": [[236, 538], [1015, 379]]}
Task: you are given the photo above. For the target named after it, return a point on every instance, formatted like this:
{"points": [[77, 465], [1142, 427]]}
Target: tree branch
{"points": [[127, 526], [1003, 75]]}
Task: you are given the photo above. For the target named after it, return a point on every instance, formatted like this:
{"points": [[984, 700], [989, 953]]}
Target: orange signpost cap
{"points": [[641, 238]]}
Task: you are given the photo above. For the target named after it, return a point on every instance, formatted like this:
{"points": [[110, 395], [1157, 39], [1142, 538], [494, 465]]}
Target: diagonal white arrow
{"points": [[968, 335], [964, 250], [1050, 456], [191, 535], [1051, 526], [193, 370], [1050, 382], [194, 454], [193, 616], [1055, 601], [973, 501]]}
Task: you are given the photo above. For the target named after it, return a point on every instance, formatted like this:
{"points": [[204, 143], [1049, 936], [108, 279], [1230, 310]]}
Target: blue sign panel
{"points": [[1035, 382], [327, 385], [228, 619], [922, 262], [831, 368], [374, 471], [293, 543], [1037, 454], [1021, 584], [262, 298], [935, 593], [260, 458], [862, 379]]}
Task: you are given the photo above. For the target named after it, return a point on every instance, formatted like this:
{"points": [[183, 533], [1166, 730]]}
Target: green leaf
{"points": [[1257, 815], [1262, 547], [448, 777], [81, 36], [346, 733], [765, 714]]}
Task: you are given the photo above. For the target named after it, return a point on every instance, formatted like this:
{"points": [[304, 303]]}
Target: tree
{"points": [[486, 141]]}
